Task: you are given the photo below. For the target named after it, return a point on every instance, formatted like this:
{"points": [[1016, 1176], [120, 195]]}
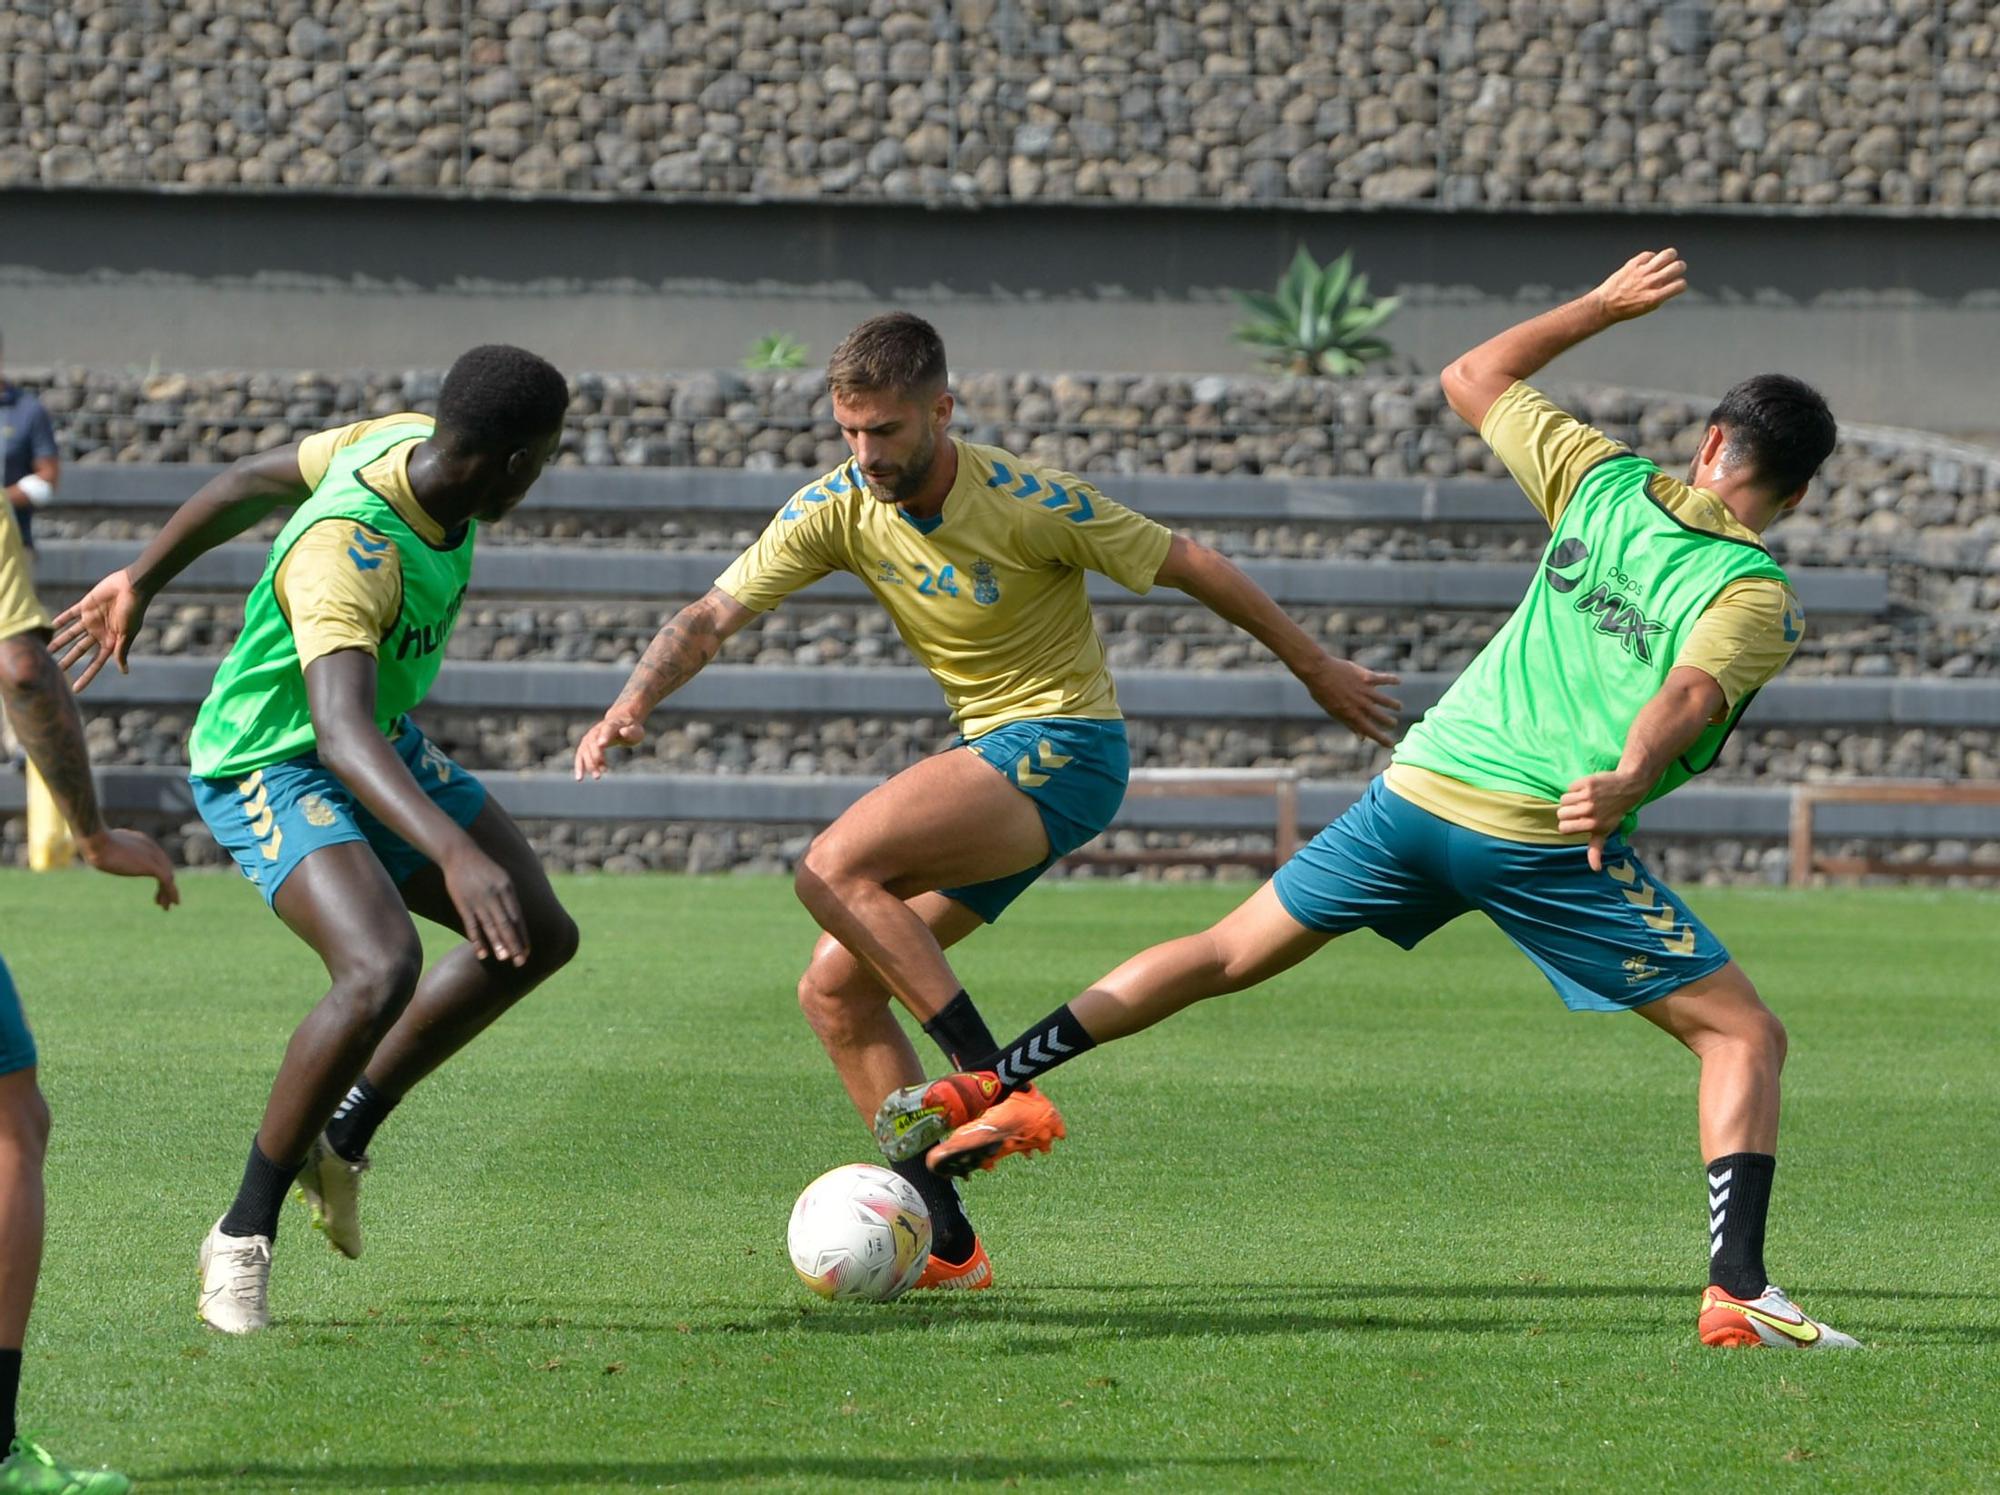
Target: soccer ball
{"points": [[860, 1232]]}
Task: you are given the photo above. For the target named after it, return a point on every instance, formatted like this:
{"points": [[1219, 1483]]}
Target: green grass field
{"points": [[1394, 1221]]}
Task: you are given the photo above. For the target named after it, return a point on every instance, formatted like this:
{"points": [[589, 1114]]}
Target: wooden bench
{"points": [[1807, 798]]}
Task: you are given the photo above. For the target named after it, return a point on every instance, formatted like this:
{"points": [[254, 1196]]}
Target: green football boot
{"points": [[31, 1469]]}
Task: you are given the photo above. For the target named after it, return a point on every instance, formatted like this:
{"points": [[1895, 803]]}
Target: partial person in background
{"points": [[29, 472], [45, 717]]}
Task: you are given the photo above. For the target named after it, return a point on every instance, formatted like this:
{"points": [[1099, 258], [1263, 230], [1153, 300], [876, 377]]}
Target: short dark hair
{"points": [[1780, 426], [498, 398], [895, 351]]}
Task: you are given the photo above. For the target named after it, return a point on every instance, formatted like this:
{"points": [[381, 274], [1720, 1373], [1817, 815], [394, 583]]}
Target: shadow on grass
{"points": [[854, 1471], [1170, 1310]]}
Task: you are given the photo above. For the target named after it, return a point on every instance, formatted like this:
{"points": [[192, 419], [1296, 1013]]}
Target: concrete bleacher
{"points": [[779, 744]]}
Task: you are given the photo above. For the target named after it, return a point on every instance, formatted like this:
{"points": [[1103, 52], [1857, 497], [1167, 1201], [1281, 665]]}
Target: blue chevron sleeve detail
{"points": [[1003, 476], [1030, 486]]}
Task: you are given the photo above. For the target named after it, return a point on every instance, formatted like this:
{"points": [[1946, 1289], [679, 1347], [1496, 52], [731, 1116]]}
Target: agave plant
{"points": [[776, 351], [1320, 321]]}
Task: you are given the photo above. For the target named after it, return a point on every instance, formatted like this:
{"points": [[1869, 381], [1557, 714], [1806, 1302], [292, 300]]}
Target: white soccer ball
{"points": [[860, 1232]]}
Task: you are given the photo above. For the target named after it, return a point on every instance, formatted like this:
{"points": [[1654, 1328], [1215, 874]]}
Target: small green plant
{"points": [[1321, 320], [776, 351]]}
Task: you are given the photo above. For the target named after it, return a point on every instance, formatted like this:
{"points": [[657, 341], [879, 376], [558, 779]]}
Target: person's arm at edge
{"points": [[1345, 690], [39, 486], [103, 623], [1668, 725], [340, 690], [43, 712], [1478, 377], [679, 651]]}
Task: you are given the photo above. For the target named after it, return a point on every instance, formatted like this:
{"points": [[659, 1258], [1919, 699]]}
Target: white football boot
{"points": [[330, 1186], [1770, 1321], [235, 1282]]}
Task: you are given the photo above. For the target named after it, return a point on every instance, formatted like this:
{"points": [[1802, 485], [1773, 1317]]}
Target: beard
{"points": [[908, 480]]}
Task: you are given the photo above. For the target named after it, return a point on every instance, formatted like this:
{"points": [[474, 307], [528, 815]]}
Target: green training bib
{"points": [[256, 711], [1553, 696]]}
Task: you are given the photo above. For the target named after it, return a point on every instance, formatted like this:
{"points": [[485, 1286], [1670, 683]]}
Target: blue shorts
{"points": [[17, 1044], [274, 818], [1606, 940], [1074, 768]]}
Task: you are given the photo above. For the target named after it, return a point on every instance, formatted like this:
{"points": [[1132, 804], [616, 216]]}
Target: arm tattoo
{"points": [[675, 656], [45, 719]]}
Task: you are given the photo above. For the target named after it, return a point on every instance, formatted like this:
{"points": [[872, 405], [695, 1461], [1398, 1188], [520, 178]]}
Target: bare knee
{"points": [[371, 989], [25, 1121], [553, 940], [830, 1003]]}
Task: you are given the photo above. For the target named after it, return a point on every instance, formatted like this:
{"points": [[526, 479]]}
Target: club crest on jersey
{"points": [[1621, 620], [985, 586]]}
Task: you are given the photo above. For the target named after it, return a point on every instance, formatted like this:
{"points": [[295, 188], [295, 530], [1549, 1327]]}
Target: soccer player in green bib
{"points": [[980, 559], [1653, 619], [309, 772]]}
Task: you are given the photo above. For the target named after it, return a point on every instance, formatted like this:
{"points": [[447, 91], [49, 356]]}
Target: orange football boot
{"points": [[1026, 1121], [1771, 1320], [970, 1275], [919, 1116]]}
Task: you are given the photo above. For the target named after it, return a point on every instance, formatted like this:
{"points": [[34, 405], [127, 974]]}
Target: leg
{"points": [[1257, 941], [1741, 1046], [340, 901], [24, 1137], [949, 821], [849, 1009], [461, 996]]}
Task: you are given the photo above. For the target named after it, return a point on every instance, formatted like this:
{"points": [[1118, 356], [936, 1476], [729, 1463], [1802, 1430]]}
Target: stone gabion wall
{"points": [[1460, 103]]}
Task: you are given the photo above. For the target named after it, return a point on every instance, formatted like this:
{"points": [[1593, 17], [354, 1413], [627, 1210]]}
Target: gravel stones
{"points": [[1594, 102]]}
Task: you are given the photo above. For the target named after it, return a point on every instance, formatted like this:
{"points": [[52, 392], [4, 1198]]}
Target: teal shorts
{"points": [[17, 1044], [1074, 769], [274, 818], [1607, 941]]}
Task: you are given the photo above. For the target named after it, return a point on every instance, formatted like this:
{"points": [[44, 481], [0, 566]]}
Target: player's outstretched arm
{"points": [[1667, 726], [44, 715], [102, 625], [340, 690], [688, 641], [1476, 379], [1346, 691]]}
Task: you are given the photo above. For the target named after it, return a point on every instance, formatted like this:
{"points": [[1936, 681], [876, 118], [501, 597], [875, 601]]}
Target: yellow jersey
{"points": [[988, 595], [21, 610], [330, 603]]}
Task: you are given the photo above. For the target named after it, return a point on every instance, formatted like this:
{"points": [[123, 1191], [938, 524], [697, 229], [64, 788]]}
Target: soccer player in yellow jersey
{"points": [[45, 719], [1653, 619], [308, 770], [979, 557]]}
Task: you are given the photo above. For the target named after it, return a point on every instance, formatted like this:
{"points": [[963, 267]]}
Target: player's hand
{"points": [[1596, 805], [132, 854], [1647, 280], [98, 627], [616, 730], [1350, 694], [489, 911]]}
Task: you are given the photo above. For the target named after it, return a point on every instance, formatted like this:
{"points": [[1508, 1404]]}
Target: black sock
{"points": [[952, 1235], [961, 1032], [262, 1195], [1055, 1039], [10, 1393], [354, 1122], [1739, 1196]]}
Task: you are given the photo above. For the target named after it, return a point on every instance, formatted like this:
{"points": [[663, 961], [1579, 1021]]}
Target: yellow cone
{"points": [[50, 846]]}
